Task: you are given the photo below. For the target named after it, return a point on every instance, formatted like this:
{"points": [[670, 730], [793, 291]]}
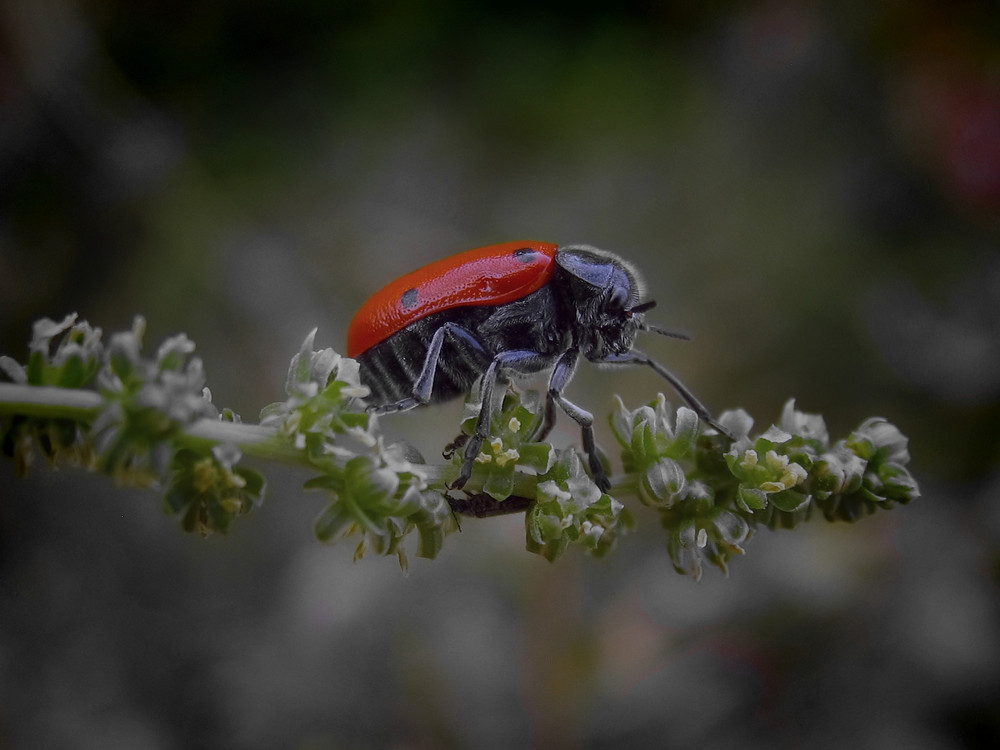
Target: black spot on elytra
{"points": [[525, 254], [409, 298]]}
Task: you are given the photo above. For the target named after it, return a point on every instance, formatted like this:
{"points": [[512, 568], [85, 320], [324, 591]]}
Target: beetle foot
{"points": [[405, 405], [455, 445], [472, 447]]}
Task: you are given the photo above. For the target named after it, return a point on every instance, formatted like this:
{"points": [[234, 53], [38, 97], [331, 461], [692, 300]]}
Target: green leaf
{"points": [[499, 482], [36, 368], [72, 374], [369, 485], [751, 499], [334, 519], [789, 501], [538, 457], [253, 482]]}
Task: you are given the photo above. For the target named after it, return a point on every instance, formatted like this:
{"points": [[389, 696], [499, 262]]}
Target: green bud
{"points": [[662, 483], [879, 440], [838, 471], [809, 427]]}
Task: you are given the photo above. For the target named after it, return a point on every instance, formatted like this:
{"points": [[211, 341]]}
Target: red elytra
{"points": [[491, 275]]}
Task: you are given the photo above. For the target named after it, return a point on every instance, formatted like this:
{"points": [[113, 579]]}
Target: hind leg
{"points": [[424, 384]]}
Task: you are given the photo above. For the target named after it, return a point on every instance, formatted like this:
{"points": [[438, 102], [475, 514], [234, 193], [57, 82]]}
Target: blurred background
{"points": [[812, 190]]}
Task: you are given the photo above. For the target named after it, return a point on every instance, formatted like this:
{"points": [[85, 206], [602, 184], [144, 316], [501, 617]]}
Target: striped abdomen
{"points": [[391, 367]]}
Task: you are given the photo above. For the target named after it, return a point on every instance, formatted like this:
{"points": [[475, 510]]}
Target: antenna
{"points": [[649, 305], [666, 332]]}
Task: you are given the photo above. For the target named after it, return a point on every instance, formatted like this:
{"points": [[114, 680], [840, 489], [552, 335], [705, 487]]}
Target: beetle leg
{"points": [[424, 384], [638, 358], [548, 420], [517, 361], [561, 374]]}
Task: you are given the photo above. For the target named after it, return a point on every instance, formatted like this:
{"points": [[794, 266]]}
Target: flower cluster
{"points": [[129, 426], [147, 402], [793, 467], [324, 403], [77, 357], [563, 504], [374, 490], [709, 506], [510, 452], [569, 508], [676, 467], [208, 492]]}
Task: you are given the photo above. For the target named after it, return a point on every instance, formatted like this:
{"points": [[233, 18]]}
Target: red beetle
{"points": [[513, 309]]}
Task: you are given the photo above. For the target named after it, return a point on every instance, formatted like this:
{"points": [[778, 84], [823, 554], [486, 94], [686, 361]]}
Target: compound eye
{"points": [[618, 299]]}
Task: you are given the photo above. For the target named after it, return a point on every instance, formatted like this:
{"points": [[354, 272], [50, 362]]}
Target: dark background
{"points": [[813, 191]]}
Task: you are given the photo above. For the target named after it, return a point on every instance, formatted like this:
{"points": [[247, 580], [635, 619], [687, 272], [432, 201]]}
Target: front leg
{"points": [[561, 373], [635, 357]]}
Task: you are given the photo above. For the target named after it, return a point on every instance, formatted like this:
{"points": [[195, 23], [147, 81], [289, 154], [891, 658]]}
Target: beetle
{"points": [[515, 309]]}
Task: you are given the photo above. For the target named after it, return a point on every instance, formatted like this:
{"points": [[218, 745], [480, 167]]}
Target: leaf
{"points": [[332, 521]]}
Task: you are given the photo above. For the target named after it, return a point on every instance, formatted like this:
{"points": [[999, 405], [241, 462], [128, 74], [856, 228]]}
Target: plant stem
{"points": [[78, 405], [48, 402], [252, 440]]}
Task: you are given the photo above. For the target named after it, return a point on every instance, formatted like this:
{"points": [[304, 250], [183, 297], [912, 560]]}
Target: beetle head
{"points": [[603, 292]]}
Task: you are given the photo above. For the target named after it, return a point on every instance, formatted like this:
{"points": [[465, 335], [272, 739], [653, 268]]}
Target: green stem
{"points": [[78, 405], [48, 402], [251, 439]]}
